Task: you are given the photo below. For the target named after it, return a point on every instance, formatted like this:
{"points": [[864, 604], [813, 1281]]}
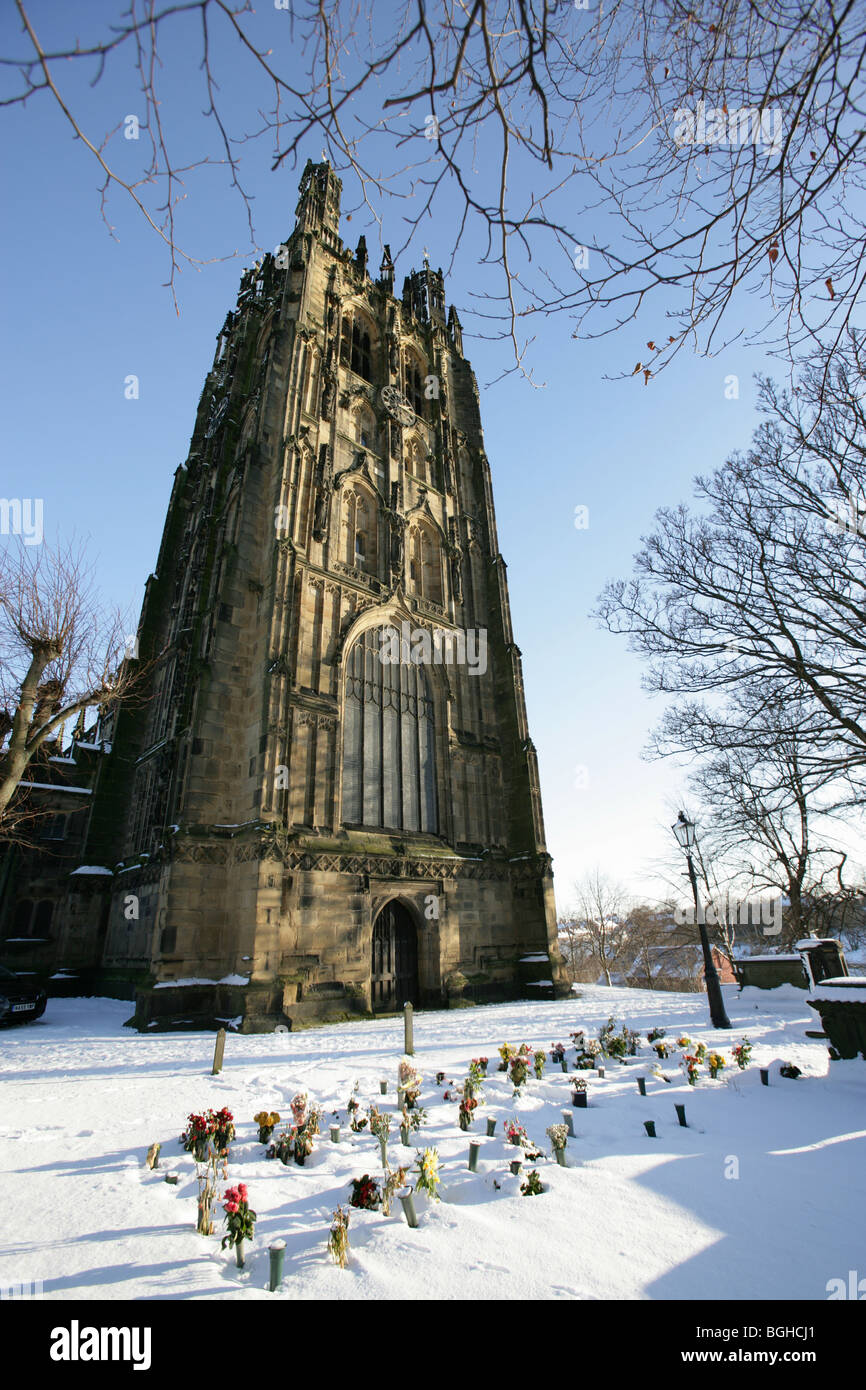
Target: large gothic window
{"points": [[424, 564], [389, 758], [360, 359]]}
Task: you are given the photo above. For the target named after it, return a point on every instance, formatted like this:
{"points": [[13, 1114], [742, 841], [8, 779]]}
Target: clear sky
{"points": [[82, 311]]}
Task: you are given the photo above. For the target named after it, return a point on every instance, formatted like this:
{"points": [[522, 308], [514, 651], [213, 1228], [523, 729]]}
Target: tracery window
{"points": [[389, 756]]}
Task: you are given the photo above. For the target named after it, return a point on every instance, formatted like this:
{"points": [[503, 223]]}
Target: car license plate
{"points": [[21, 1008]]}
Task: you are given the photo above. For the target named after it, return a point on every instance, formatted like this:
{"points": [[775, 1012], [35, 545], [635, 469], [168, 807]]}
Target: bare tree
{"points": [[672, 157], [766, 589], [601, 911], [766, 802], [60, 653], [575, 945]]}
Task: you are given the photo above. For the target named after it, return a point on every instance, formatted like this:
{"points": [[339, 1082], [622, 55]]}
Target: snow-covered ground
{"points": [[631, 1217]]}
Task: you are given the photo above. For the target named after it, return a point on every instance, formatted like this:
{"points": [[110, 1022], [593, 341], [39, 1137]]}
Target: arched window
{"points": [[416, 460], [42, 918], [360, 359], [389, 757], [424, 570], [360, 531], [415, 386], [365, 428]]}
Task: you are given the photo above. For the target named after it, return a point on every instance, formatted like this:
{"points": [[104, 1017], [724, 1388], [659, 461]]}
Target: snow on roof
{"points": [[743, 960], [196, 980], [91, 869], [540, 956], [849, 989], [58, 787]]}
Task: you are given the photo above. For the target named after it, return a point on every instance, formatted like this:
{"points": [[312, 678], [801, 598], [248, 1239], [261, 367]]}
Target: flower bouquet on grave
{"points": [[476, 1075], [223, 1130], [742, 1054], [284, 1146], [661, 1049], [380, 1126], [558, 1136], [716, 1063], [557, 1053], [428, 1174], [206, 1177], [303, 1145], [338, 1240], [506, 1052], [632, 1037], [578, 1091], [684, 1042], [532, 1187], [240, 1220], [519, 1072], [197, 1136], [411, 1081], [299, 1107], [655, 1034], [440, 1077], [466, 1113], [394, 1180], [691, 1066], [515, 1133], [358, 1121], [410, 1122], [267, 1121], [701, 1052], [365, 1193], [538, 1061]]}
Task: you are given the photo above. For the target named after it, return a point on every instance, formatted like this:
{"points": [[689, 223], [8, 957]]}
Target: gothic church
{"points": [[329, 803]]}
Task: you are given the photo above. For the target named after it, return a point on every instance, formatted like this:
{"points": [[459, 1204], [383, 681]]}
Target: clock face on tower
{"points": [[397, 405]]}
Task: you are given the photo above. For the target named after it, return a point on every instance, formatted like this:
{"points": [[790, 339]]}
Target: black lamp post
{"points": [[685, 833]]}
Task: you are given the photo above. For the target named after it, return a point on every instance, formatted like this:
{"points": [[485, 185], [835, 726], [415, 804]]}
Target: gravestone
{"points": [[218, 1052], [152, 1159]]}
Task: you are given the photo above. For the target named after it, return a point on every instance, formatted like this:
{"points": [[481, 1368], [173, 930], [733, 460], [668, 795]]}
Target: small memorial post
{"points": [[408, 1040], [218, 1052]]}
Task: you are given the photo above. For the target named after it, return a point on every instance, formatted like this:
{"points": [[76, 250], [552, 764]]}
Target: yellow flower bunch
{"points": [[266, 1119]]}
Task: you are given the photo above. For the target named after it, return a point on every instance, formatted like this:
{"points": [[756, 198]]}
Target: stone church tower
{"points": [[330, 804]]}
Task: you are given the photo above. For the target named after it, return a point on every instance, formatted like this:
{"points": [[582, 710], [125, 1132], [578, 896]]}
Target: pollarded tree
{"points": [[61, 653]]}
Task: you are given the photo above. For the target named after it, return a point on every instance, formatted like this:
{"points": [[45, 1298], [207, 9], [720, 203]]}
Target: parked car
{"points": [[20, 999]]}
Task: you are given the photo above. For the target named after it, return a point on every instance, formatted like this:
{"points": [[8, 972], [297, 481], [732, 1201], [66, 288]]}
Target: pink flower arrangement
{"points": [[240, 1220]]}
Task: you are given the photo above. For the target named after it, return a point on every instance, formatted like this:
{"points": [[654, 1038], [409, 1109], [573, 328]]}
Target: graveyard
{"points": [[737, 1183]]}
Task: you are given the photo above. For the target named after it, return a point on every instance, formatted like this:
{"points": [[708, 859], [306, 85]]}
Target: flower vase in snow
{"points": [[716, 1063], [240, 1220], [267, 1121]]}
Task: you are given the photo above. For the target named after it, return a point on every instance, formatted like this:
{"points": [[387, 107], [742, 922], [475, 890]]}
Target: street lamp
{"points": [[685, 833]]}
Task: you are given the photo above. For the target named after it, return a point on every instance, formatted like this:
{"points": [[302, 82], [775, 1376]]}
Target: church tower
{"points": [[331, 800]]}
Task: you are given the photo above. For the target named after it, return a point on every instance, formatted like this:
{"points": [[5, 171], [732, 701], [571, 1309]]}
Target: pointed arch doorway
{"points": [[394, 967]]}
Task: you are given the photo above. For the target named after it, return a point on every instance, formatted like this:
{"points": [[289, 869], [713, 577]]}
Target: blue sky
{"points": [[82, 311]]}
